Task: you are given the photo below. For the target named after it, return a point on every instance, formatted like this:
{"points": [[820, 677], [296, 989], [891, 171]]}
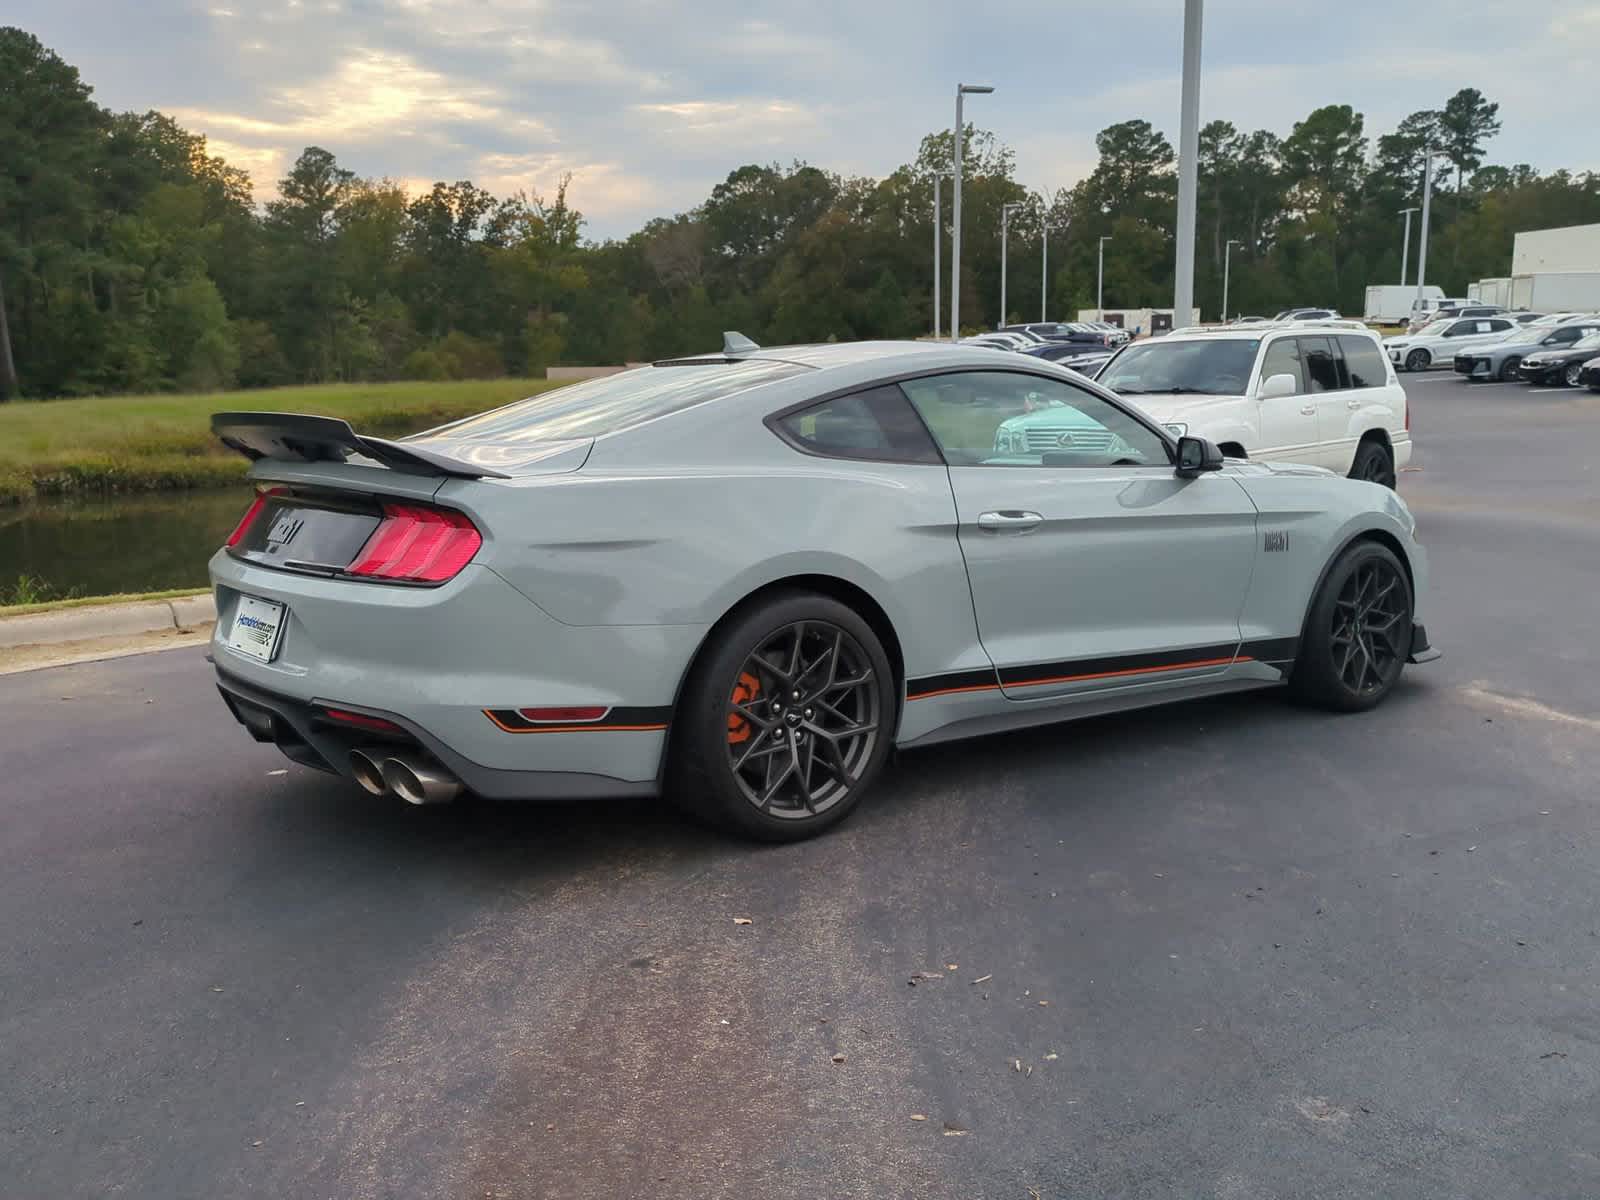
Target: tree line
{"points": [[133, 260]]}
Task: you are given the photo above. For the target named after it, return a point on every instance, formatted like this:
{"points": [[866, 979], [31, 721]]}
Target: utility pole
{"points": [[1422, 246], [1405, 244], [1188, 156], [8, 366], [977, 89], [937, 238], [1227, 259], [1005, 232], [1044, 266], [1100, 281]]}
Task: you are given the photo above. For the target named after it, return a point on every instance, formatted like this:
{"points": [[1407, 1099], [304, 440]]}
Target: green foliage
{"points": [[133, 260]]}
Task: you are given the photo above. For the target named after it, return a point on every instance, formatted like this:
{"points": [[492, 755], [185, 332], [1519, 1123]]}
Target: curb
{"points": [[111, 620]]}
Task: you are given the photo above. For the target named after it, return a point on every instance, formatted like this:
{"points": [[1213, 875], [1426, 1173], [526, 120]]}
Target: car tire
{"points": [[1358, 633], [1508, 370], [1573, 374], [1374, 462], [1418, 360], [763, 708]]}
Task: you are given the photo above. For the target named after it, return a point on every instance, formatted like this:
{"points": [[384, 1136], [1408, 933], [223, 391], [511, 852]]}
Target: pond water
{"points": [[95, 547]]}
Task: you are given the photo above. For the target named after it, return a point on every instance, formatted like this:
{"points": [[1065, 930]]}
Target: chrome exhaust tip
{"points": [[365, 765], [418, 781]]}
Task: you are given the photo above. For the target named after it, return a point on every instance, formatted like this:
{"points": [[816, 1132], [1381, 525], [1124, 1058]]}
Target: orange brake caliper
{"points": [[744, 691]]}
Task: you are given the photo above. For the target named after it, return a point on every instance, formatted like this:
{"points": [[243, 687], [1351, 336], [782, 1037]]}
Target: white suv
{"points": [[1437, 345], [1320, 393]]}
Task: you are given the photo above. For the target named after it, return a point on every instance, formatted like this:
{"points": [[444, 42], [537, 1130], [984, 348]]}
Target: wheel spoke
{"points": [[773, 744]]}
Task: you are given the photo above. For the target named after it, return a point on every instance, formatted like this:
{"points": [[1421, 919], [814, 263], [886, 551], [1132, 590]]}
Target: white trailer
{"points": [[1569, 248], [1556, 291], [1390, 303]]}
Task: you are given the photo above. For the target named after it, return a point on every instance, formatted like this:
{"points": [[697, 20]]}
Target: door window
{"points": [[876, 424], [1283, 358], [1322, 369], [1008, 419], [1364, 362]]}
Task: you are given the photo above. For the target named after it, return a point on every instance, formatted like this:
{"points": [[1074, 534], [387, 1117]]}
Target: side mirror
{"points": [[1196, 455], [1281, 384]]}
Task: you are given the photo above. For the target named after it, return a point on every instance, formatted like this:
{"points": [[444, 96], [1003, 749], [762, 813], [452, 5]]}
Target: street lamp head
{"points": [[974, 89]]}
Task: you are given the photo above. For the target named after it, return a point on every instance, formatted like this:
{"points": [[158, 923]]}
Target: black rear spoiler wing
{"points": [[296, 437]]}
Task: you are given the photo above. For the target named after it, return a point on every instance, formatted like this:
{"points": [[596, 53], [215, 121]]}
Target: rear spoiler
{"points": [[296, 437]]}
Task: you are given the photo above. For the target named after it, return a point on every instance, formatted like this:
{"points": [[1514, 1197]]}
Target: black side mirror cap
{"points": [[1196, 455]]}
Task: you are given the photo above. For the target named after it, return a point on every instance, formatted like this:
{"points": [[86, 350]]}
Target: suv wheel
{"points": [[1418, 360], [1374, 462]]}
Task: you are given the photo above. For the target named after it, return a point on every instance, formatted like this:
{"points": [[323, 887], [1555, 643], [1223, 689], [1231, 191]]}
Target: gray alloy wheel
{"points": [[1508, 369], [1573, 373], [787, 719], [1358, 634], [1418, 360], [1373, 463]]}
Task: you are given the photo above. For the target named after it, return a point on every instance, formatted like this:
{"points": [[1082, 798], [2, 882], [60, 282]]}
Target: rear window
{"points": [[1364, 361], [600, 406]]}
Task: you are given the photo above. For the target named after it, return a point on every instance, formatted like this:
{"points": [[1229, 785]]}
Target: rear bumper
{"points": [[437, 661]]}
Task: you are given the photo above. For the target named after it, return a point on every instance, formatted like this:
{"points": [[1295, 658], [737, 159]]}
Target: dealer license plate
{"points": [[257, 626]]}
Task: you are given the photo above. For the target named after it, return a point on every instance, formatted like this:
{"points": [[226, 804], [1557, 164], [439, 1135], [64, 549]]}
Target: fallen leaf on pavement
{"points": [[838, 1058], [919, 1116], [983, 979], [743, 921], [954, 1130]]}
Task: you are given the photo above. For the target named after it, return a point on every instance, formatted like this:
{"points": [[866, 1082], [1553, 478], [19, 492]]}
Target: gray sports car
{"points": [[741, 578], [1500, 360]]}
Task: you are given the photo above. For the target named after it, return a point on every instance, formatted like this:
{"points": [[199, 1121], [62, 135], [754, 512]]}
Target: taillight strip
{"points": [[416, 544]]}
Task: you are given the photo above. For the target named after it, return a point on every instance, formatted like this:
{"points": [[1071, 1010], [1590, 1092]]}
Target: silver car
{"points": [[742, 578], [1500, 360]]}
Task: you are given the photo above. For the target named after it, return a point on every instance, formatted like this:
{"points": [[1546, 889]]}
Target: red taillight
{"points": [[250, 515], [564, 715], [361, 720], [423, 545]]}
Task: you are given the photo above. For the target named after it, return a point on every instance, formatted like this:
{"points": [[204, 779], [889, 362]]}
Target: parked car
{"points": [[1439, 343], [1589, 376], [1321, 396], [1307, 314], [999, 341], [1073, 356], [1560, 365], [1119, 335], [1426, 310], [1062, 331], [556, 598], [1448, 311], [1500, 360]]}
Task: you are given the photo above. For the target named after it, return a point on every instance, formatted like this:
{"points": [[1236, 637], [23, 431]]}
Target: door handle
{"points": [[1352, 404], [1310, 410], [1009, 520]]}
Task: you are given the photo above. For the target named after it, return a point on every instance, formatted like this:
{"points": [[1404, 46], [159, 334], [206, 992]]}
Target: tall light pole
{"points": [[1227, 258], [1405, 244], [1188, 155], [962, 89], [938, 237], [1005, 231], [1044, 263], [1100, 282], [1422, 246]]}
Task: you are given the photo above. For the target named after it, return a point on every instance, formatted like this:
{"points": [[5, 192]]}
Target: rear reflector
{"points": [[422, 545], [361, 720], [563, 715], [250, 515]]}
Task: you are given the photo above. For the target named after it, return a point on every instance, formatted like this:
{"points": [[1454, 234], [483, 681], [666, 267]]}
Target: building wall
{"points": [[1570, 248]]}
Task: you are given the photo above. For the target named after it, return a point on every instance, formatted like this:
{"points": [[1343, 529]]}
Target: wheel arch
{"points": [[1369, 534]]}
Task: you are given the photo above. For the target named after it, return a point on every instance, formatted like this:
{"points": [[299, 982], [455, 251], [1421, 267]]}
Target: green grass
{"points": [[22, 610], [164, 442]]}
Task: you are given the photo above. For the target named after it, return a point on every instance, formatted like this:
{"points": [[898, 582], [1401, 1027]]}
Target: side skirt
{"points": [[1072, 708]]}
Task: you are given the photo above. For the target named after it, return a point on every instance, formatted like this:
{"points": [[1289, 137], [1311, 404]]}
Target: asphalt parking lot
{"points": [[1231, 949]]}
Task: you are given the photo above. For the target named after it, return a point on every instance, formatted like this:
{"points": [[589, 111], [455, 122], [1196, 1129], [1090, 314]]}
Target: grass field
{"points": [[155, 443]]}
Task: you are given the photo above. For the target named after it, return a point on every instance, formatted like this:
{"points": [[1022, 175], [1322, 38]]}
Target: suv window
{"points": [[876, 424], [1461, 328], [1283, 358], [1497, 325], [1008, 419], [1364, 362], [1322, 368]]}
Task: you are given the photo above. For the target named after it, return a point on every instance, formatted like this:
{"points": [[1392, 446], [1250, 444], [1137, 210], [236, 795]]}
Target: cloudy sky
{"points": [[648, 103]]}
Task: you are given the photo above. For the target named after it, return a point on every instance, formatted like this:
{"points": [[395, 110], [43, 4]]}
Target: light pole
{"points": [[1044, 263], [1422, 245], [1405, 245], [1100, 282], [1227, 258], [938, 237], [962, 89], [1188, 154], [1005, 231]]}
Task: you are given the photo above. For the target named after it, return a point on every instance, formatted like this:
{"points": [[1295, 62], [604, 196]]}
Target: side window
{"points": [[1322, 369], [1364, 361], [1498, 325], [876, 424], [1283, 358], [1460, 328], [1561, 337], [1008, 419]]}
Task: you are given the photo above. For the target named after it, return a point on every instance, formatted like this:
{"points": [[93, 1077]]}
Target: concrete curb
{"points": [[109, 620]]}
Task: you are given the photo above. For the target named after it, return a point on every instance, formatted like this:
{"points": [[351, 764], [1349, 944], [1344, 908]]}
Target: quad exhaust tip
{"points": [[415, 779]]}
